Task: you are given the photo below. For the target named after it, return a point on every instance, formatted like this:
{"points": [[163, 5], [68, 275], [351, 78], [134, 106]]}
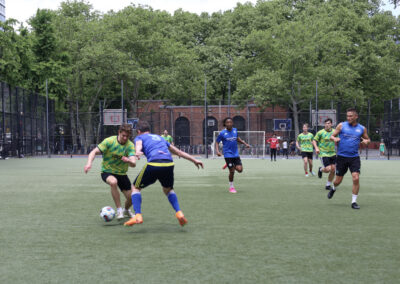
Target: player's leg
{"points": [[355, 166], [112, 181], [310, 162], [305, 162], [125, 186], [272, 153]]}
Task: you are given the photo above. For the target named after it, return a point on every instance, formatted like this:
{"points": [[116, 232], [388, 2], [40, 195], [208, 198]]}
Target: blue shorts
{"points": [[151, 172]]}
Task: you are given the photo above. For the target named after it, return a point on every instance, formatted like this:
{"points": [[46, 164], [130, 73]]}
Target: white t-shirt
{"points": [[284, 145]]}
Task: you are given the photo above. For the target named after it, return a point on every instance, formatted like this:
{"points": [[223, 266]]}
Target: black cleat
{"points": [[354, 205], [319, 172], [331, 193], [327, 187]]}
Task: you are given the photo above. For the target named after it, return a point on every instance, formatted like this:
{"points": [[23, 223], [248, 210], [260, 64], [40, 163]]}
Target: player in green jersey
{"points": [[167, 137], [304, 144], [118, 154], [325, 149]]}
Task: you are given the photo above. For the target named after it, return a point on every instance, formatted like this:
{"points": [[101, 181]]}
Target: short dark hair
{"points": [[352, 109], [328, 119], [305, 124], [126, 128], [143, 126], [226, 119]]}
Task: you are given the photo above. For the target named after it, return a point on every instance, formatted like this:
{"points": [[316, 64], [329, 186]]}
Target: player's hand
{"points": [[87, 168], [138, 154], [336, 139], [364, 141], [247, 145], [317, 151], [125, 159], [219, 154], [198, 164]]}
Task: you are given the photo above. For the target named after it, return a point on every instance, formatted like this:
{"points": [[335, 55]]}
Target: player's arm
{"points": [[216, 146], [314, 142], [336, 133], [131, 160], [186, 156], [365, 138], [298, 144], [139, 147], [90, 159], [243, 142]]}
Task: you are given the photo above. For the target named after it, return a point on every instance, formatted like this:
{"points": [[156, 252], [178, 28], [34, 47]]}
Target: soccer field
{"points": [[279, 228]]}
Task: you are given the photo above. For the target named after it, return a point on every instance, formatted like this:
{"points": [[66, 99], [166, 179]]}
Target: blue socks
{"points": [[173, 199], [137, 202]]}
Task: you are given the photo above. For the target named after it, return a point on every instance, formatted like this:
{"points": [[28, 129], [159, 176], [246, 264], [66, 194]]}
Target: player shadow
{"points": [[157, 229]]}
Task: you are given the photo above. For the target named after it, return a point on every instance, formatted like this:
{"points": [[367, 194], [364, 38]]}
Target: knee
{"points": [[356, 178], [113, 182], [239, 170]]}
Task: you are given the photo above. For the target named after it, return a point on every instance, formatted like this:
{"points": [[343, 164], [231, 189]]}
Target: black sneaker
{"points": [[319, 172], [354, 205], [327, 187], [331, 193]]}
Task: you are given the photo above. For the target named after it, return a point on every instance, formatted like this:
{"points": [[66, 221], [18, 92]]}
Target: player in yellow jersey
{"points": [[118, 154], [325, 149], [304, 144]]}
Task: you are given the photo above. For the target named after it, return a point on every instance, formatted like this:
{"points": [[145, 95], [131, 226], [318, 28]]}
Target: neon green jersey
{"points": [[112, 154], [325, 144], [305, 141], [168, 138]]}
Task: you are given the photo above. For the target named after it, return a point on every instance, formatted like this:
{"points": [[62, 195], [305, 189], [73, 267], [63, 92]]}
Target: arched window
{"points": [[212, 125], [182, 131], [239, 123]]}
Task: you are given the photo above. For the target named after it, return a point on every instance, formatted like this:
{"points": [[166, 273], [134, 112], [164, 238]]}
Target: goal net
{"points": [[256, 140]]}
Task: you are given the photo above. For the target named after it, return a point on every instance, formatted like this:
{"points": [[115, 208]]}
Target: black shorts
{"points": [[308, 155], [327, 161], [345, 163], [233, 162], [151, 172], [123, 181]]}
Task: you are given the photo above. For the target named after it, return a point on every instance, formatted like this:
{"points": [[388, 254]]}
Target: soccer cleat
{"points": [[306, 175], [181, 218], [312, 173], [225, 166], [319, 172], [327, 187], [232, 190], [137, 219], [128, 213], [331, 193], [354, 205], [120, 215]]}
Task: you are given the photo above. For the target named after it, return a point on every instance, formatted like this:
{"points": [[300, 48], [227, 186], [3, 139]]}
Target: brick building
{"points": [[186, 123]]}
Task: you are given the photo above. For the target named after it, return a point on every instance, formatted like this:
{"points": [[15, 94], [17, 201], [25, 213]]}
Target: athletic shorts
{"points": [[151, 172], [345, 163], [233, 162], [123, 181], [308, 155], [327, 161]]}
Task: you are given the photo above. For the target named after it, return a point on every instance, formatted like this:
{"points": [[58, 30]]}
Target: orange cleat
{"points": [[225, 166], [181, 218], [137, 219]]}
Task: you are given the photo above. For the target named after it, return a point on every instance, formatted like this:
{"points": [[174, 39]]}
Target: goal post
{"points": [[256, 140]]}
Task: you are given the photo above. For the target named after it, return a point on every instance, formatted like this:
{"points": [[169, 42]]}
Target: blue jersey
{"points": [[350, 137], [154, 147], [229, 142]]}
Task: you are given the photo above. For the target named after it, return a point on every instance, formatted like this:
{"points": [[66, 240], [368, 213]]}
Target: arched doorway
{"points": [[182, 131], [239, 123], [212, 125]]}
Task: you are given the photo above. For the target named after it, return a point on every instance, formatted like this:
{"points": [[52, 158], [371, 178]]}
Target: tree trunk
{"points": [[132, 101], [73, 123]]}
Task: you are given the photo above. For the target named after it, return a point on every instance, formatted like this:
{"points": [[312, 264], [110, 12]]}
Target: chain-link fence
{"points": [[23, 124]]}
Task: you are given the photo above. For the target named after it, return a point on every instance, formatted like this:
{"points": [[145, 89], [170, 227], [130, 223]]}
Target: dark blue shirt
{"points": [[229, 141], [350, 137], [154, 147]]}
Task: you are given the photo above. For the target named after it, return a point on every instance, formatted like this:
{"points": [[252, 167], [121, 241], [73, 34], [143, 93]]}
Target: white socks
{"points": [[328, 183], [353, 198], [231, 184], [119, 209]]}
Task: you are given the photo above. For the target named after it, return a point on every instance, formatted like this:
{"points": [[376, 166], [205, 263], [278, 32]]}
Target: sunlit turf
{"points": [[278, 228]]}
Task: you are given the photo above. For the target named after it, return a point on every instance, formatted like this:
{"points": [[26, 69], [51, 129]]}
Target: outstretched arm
{"points": [[365, 138], [336, 133], [91, 157], [131, 160], [186, 156], [216, 146], [242, 142], [315, 147]]}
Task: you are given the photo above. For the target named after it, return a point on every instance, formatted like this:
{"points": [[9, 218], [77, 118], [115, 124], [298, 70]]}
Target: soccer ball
{"points": [[107, 213]]}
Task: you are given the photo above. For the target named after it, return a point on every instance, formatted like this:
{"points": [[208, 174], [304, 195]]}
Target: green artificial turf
{"points": [[279, 228]]}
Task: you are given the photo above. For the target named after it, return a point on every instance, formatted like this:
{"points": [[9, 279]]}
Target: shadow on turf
{"points": [[156, 229]]}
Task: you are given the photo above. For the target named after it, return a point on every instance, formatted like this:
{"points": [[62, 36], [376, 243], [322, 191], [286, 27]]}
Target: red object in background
{"points": [[274, 142]]}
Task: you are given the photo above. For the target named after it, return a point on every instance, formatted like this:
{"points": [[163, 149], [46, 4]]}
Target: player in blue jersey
{"points": [[159, 166], [350, 133], [229, 138]]}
